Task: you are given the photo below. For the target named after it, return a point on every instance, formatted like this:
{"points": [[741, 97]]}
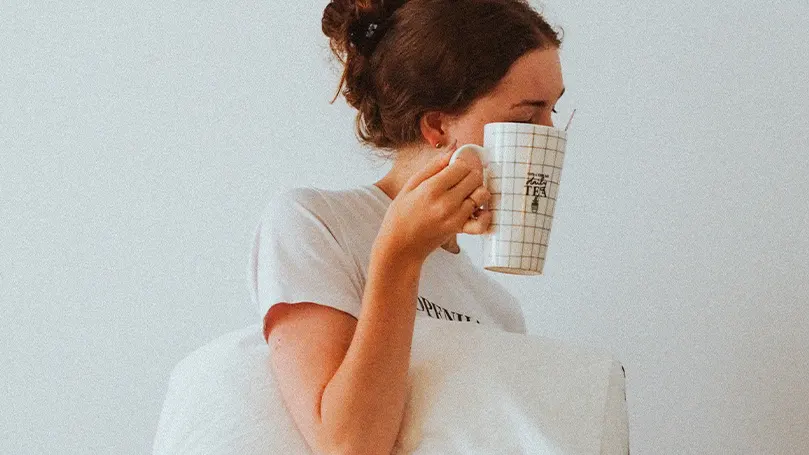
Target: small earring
{"points": [[439, 145]]}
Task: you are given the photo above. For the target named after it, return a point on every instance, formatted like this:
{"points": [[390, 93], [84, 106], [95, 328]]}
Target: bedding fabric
{"points": [[473, 390]]}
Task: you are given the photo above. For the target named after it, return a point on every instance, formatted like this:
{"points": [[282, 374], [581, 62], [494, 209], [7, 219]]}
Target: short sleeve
{"points": [[298, 255]]}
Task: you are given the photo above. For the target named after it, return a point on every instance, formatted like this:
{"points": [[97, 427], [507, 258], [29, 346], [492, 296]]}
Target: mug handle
{"points": [[482, 153]]}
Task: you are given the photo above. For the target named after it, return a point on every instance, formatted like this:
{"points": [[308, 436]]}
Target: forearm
{"points": [[363, 404]]}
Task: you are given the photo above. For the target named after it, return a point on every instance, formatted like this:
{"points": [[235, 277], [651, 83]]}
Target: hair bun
{"points": [[336, 18]]}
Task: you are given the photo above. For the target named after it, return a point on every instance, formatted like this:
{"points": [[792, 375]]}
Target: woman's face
{"points": [[526, 94]]}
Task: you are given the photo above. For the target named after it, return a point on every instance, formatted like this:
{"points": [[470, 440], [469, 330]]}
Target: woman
{"points": [[342, 276]]}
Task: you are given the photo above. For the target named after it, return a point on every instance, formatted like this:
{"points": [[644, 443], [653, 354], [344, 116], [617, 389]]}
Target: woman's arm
{"points": [[363, 404]]}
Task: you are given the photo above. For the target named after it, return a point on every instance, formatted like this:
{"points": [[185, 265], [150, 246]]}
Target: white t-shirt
{"points": [[314, 245]]}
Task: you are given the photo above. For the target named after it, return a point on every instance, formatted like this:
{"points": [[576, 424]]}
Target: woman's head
{"points": [[438, 70]]}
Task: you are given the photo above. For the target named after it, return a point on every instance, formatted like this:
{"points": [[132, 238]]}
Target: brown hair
{"points": [[429, 55]]}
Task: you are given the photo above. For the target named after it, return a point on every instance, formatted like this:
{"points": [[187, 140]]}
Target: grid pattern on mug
{"points": [[522, 238]]}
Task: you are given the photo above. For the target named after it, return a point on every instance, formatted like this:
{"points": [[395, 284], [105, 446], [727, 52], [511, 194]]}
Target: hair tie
{"points": [[366, 33]]}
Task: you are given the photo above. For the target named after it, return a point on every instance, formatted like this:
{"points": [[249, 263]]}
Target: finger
{"points": [[456, 182], [465, 213], [439, 162], [482, 196], [472, 180], [479, 226]]}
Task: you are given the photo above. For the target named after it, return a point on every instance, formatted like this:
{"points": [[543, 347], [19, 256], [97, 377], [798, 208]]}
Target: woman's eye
{"points": [[530, 120]]}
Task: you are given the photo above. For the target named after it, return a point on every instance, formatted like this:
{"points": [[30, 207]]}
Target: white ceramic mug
{"points": [[522, 164]]}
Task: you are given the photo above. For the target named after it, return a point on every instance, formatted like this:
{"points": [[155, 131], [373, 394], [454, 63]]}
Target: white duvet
{"points": [[474, 390]]}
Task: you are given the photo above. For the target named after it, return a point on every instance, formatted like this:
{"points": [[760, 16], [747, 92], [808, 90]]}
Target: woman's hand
{"points": [[437, 202]]}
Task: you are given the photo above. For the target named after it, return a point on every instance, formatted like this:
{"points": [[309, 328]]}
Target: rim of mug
{"points": [[532, 126]]}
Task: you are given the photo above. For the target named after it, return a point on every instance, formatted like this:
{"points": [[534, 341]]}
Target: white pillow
{"points": [[222, 400], [474, 390]]}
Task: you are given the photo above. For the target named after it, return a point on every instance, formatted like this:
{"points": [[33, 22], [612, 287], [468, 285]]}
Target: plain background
{"points": [[140, 140]]}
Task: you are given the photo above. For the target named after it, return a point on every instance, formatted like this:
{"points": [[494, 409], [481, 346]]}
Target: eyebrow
{"points": [[534, 102]]}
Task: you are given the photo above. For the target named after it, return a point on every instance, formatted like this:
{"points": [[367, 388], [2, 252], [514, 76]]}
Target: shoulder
{"points": [[313, 199], [302, 196], [306, 210], [295, 203]]}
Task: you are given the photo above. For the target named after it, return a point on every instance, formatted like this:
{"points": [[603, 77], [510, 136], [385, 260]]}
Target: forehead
{"points": [[535, 75]]}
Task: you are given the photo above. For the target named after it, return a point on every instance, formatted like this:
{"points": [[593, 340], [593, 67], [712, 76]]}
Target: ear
{"points": [[434, 128]]}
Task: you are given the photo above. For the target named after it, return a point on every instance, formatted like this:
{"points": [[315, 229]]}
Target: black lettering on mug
{"points": [[536, 186]]}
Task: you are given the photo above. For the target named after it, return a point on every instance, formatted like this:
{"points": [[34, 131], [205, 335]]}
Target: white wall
{"points": [[140, 140]]}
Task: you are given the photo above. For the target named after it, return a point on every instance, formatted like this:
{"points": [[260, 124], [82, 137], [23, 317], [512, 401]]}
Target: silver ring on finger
{"points": [[476, 208]]}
